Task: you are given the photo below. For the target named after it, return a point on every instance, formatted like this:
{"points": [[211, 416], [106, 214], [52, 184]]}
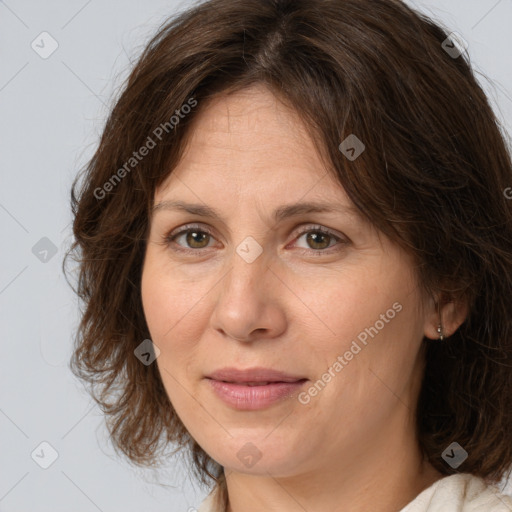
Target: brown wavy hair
{"points": [[433, 177]]}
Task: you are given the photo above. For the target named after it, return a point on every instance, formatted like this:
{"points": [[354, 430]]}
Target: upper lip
{"points": [[258, 374]]}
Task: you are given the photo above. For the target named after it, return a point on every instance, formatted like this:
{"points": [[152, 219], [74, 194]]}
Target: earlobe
{"points": [[443, 321]]}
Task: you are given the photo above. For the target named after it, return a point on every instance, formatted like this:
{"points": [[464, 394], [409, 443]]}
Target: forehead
{"points": [[250, 142], [255, 108]]}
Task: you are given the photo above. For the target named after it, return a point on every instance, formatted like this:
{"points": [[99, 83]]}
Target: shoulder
{"points": [[462, 492]]}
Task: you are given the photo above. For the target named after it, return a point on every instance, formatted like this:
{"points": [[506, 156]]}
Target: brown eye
{"points": [[189, 239], [318, 240], [195, 239]]}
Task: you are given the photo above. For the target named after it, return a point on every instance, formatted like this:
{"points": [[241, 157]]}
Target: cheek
{"points": [[155, 300], [174, 311], [167, 299], [369, 317], [349, 302], [167, 306]]}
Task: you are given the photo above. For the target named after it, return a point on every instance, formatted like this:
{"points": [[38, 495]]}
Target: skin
{"points": [[296, 308]]}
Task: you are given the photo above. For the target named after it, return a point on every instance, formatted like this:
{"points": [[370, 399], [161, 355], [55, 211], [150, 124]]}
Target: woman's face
{"points": [[339, 312]]}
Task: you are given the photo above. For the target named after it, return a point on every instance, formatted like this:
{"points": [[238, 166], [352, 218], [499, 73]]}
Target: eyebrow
{"points": [[281, 213]]}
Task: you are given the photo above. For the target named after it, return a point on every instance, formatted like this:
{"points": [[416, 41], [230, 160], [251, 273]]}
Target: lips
{"points": [[255, 388], [258, 376]]}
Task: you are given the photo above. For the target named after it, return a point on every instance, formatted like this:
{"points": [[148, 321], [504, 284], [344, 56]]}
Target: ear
{"points": [[450, 313]]}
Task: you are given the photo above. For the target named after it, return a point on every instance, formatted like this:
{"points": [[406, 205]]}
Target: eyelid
{"points": [[305, 228]]}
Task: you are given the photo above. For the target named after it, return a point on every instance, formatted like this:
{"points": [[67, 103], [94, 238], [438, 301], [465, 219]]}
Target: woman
{"points": [[295, 248]]}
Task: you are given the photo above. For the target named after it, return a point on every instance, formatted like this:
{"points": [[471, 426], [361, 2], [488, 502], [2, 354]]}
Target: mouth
{"points": [[260, 383], [257, 376], [253, 389]]}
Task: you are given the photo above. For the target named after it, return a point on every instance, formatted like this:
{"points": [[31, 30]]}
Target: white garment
{"points": [[462, 492]]}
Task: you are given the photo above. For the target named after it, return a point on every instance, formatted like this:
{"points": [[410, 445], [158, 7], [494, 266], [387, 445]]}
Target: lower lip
{"points": [[250, 398]]}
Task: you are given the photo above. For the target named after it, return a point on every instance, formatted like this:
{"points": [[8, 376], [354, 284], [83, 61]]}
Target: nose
{"points": [[250, 301]]}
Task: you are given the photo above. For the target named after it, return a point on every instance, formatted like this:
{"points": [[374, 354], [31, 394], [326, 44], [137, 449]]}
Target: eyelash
{"points": [[169, 239]]}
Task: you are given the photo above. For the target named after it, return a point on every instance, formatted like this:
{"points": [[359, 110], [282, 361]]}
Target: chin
{"points": [[256, 457]]}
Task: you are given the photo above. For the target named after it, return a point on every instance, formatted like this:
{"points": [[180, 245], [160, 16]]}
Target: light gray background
{"points": [[52, 112]]}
